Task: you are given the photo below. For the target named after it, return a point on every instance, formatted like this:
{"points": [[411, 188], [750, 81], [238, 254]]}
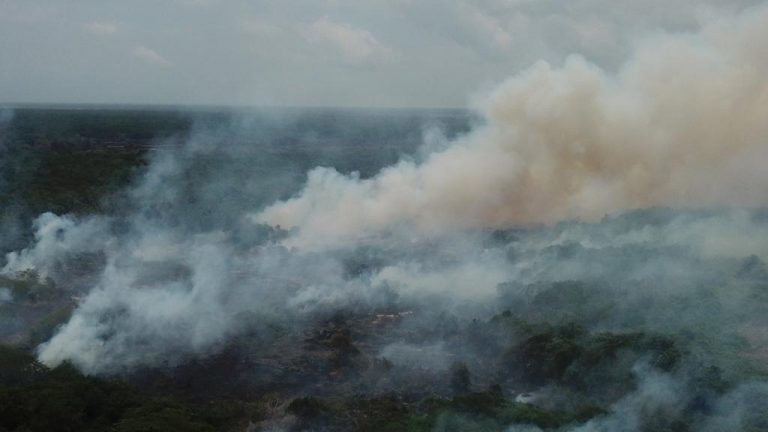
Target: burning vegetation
{"points": [[586, 253]]}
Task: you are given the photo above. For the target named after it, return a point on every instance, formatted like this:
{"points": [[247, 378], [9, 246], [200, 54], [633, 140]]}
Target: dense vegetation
{"points": [[70, 161], [548, 354], [592, 368], [35, 398], [70, 124]]}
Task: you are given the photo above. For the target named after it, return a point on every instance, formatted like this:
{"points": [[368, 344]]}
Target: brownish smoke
{"points": [[684, 122]]}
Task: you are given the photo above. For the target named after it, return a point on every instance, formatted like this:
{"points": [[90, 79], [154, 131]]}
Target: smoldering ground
{"points": [[465, 269]]}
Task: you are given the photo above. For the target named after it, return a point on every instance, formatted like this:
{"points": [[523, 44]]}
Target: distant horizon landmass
{"points": [[219, 107]]}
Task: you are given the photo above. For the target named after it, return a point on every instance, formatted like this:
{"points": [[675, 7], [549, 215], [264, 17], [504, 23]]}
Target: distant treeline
{"points": [[64, 124]]}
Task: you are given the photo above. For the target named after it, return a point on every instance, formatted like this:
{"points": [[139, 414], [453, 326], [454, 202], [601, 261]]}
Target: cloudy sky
{"points": [[394, 53]]}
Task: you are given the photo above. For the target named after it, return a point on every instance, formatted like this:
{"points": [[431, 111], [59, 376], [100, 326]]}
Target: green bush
{"points": [[35, 398], [161, 416]]}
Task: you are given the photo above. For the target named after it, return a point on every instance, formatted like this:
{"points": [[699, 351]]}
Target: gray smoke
{"points": [[206, 248]]}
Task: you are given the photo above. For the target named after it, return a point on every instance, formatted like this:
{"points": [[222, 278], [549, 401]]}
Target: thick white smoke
{"points": [[682, 123], [56, 238], [193, 260]]}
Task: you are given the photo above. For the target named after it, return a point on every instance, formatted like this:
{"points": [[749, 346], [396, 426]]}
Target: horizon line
{"points": [[202, 107]]}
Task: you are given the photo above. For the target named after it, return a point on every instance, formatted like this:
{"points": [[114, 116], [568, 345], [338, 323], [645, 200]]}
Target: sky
{"points": [[354, 53]]}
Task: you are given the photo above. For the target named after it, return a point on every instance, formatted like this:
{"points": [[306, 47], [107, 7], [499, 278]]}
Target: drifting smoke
{"points": [[193, 259], [56, 239], [10, 222], [682, 123]]}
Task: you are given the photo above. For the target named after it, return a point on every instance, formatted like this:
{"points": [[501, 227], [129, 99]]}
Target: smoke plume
{"points": [[681, 123], [207, 245]]}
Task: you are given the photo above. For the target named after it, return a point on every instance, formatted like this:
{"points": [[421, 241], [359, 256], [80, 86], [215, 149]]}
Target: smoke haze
{"points": [[583, 200], [680, 124]]}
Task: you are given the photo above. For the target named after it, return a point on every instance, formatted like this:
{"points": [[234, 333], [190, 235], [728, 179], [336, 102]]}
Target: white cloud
{"points": [[260, 27], [298, 46], [14, 11], [100, 28], [195, 2], [486, 25], [150, 56], [356, 46]]}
